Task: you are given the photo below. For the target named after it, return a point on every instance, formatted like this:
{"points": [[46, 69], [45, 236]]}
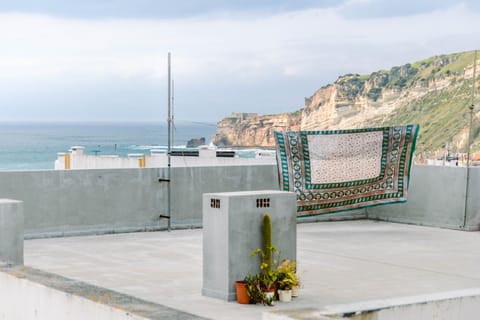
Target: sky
{"points": [[106, 60]]}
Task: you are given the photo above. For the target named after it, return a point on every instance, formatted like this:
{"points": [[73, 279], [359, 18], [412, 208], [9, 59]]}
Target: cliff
{"points": [[251, 129], [435, 93]]}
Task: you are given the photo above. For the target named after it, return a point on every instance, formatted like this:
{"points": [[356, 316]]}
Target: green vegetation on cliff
{"points": [[443, 112], [442, 116], [434, 93]]}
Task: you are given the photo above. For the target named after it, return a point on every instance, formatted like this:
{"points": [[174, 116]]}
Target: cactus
{"points": [[268, 274], [267, 240]]}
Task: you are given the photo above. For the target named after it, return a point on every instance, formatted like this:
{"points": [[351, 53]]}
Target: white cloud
{"points": [[312, 46], [43, 46]]}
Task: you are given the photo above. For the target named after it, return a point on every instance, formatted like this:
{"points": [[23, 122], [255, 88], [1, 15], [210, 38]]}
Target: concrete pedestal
{"points": [[11, 232], [232, 229]]}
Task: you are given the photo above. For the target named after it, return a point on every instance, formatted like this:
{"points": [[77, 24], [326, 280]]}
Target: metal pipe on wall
{"points": [[471, 108]]}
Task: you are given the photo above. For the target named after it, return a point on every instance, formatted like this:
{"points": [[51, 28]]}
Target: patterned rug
{"points": [[339, 170]]}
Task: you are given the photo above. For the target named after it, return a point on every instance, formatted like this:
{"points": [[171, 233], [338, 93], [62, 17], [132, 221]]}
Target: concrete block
{"points": [[436, 197], [11, 232], [232, 223]]}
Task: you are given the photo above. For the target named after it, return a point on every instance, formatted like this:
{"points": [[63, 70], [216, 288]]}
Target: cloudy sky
{"points": [[107, 59]]}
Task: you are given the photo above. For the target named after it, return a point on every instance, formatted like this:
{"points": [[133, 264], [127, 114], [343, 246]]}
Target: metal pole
{"points": [[173, 113], [169, 120], [471, 107]]}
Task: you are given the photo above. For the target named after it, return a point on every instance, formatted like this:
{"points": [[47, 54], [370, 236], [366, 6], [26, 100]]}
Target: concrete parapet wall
{"points": [[436, 197], [76, 202], [31, 301], [337, 216], [473, 202], [190, 183], [31, 294], [461, 304], [58, 203], [11, 232]]}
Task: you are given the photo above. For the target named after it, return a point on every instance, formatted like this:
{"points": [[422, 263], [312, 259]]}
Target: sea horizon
{"points": [[33, 145]]}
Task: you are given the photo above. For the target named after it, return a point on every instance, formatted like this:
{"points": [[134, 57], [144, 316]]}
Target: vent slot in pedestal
{"points": [[263, 203], [215, 203]]}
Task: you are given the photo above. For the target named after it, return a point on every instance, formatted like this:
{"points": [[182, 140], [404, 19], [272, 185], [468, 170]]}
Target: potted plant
{"points": [[261, 289], [254, 289], [263, 286], [285, 294], [287, 280], [242, 292], [296, 289], [269, 285]]}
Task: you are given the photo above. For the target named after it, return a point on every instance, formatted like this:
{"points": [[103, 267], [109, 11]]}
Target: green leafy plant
{"points": [[269, 280], [286, 275], [267, 274], [271, 276], [254, 289]]}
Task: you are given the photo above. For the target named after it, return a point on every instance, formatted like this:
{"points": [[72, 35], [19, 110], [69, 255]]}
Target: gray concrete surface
{"points": [[473, 202], [11, 232], [190, 183], [81, 202], [58, 203], [232, 229], [338, 263], [436, 197]]}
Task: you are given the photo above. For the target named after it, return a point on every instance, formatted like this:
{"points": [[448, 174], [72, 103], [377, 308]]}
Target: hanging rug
{"points": [[337, 170]]}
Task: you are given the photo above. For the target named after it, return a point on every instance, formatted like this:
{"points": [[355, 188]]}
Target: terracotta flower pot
{"points": [[242, 295]]}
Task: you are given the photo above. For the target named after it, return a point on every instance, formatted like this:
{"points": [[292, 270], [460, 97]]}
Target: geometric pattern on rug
{"points": [[337, 170]]}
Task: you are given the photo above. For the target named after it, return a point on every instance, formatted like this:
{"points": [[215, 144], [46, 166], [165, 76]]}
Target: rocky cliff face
{"points": [[433, 92], [251, 129], [353, 101]]}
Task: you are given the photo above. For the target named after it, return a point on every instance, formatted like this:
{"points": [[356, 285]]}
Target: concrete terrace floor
{"points": [[339, 263]]}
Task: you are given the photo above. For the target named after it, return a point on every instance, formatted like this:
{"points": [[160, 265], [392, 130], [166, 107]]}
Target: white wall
{"points": [[22, 299], [83, 161]]}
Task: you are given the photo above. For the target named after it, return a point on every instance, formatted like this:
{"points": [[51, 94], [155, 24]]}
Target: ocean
{"points": [[34, 146]]}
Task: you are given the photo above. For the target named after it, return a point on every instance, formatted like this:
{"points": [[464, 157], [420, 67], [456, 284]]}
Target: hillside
{"points": [[435, 93]]}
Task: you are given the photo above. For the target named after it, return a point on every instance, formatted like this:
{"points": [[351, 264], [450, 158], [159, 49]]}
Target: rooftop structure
{"points": [[76, 158], [360, 265], [339, 263]]}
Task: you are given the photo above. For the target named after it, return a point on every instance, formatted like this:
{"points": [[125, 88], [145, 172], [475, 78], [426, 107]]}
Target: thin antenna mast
{"points": [[169, 120], [173, 113]]}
